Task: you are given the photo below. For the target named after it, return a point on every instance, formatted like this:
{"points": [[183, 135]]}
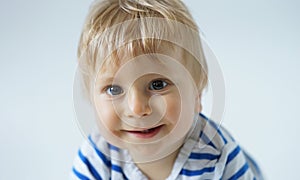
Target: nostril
{"points": [[140, 111]]}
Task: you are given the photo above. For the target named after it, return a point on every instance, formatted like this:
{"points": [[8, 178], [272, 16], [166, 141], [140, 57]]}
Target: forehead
{"points": [[142, 59]]}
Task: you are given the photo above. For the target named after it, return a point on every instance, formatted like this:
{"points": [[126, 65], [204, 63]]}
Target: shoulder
{"points": [[93, 160], [218, 153]]}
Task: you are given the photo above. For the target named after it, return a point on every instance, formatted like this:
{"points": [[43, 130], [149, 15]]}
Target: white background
{"points": [[257, 43]]}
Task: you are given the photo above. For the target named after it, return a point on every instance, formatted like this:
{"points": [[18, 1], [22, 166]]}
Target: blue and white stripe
{"points": [[209, 153]]}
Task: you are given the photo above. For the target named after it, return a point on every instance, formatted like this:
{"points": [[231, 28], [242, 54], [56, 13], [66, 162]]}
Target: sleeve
{"points": [[82, 168], [88, 165], [239, 164]]}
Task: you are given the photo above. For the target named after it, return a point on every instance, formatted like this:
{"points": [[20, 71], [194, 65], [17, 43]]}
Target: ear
{"points": [[198, 105]]}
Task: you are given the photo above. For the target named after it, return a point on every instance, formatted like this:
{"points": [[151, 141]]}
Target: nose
{"points": [[138, 103]]}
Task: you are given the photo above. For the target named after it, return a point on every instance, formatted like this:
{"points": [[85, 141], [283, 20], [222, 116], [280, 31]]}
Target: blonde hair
{"points": [[113, 27]]}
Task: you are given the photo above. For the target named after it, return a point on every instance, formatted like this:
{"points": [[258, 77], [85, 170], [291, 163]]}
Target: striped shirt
{"points": [[209, 152]]}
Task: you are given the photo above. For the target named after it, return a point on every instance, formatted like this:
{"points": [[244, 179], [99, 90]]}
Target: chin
{"points": [[143, 153]]}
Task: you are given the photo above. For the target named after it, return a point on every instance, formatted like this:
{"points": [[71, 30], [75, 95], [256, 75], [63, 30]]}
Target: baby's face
{"points": [[146, 105]]}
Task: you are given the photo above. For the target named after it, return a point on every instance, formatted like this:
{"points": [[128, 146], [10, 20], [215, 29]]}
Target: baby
{"points": [[144, 71]]}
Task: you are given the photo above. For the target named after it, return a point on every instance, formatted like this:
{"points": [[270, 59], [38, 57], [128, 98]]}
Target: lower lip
{"points": [[148, 135]]}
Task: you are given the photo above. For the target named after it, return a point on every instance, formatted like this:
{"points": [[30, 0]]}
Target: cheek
{"points": [[107, 116], [173, 108]]}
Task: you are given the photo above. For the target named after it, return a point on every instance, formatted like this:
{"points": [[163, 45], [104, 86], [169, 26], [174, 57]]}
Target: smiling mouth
{"points": [[147, 133]]}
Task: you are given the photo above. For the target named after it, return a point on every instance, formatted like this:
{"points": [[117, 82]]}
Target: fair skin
{"points": [[147, 107]]}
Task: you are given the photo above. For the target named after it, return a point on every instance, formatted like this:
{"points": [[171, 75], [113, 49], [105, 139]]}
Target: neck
{"points": [[159, 169]]}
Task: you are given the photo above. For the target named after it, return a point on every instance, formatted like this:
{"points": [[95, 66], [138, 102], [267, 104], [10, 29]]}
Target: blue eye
{"points": [[158, 85], [114, 90]]}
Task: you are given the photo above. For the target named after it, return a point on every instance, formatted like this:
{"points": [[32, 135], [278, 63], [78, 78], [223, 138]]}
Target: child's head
{"points": [[144, 69]]}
